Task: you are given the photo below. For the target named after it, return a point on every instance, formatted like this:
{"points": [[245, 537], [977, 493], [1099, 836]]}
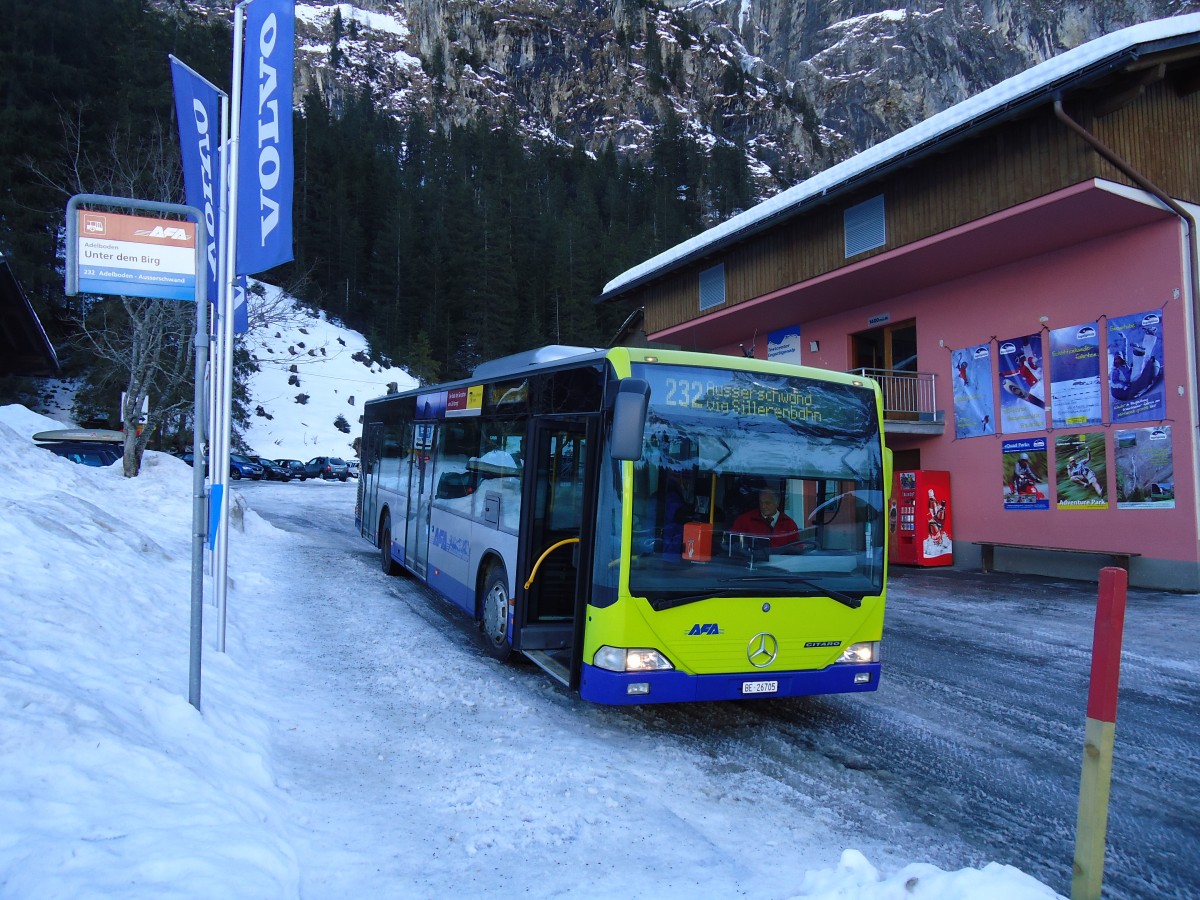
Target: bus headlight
{"points": [[637, 659], [862, 652]]}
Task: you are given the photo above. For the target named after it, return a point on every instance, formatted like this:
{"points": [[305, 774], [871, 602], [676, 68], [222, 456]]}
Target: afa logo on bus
{"points": [[713, 628], [452, 544]]}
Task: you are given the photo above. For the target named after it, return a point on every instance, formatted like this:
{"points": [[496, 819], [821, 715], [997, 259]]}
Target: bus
{"points": [[647, 526]]}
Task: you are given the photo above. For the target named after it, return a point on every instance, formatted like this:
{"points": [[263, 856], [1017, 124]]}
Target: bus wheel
{"points": [[389, 565], [493, 613]]}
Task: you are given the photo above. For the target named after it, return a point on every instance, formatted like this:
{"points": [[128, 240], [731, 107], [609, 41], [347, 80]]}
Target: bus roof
{"points": [[532, 359], [561, 356], [538, 359]]}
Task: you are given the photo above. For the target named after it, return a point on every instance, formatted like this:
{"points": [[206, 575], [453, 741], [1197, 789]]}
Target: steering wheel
{"points": [[796, 549]]}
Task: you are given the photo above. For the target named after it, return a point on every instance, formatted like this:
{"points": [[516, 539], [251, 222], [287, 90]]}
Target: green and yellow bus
{"points": [[647, 526]]}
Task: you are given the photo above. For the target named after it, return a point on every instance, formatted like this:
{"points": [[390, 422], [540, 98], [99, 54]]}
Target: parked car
{"points": [[326, 467], [352, 468], [86, 453], [239, 466], [295, 467], [242, 467], [272, 470]]}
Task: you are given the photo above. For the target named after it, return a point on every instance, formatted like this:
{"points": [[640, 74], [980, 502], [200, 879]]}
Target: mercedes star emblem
{"points": [[762, 650]]}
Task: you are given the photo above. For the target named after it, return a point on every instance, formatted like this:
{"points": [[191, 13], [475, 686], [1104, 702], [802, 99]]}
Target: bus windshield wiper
{"points": [[819, 590], [670, 602]]}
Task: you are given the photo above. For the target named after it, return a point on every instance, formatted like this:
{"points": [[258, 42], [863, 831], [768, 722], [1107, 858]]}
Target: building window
{"points": [[865, 226], [712, 287]]}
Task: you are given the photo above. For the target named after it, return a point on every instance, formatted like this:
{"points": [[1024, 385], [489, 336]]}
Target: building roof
{"points": [[24, 347], [1007, 100]]}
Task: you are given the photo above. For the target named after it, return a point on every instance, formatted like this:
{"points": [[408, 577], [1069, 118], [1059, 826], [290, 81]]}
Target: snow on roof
{"points": [[1030, 86]]}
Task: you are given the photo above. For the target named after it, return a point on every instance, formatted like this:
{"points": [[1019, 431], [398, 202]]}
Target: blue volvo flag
{"points": [[241, 321], [265, 165], [198, 108]]}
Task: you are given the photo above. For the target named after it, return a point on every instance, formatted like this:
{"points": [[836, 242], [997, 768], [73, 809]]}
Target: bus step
{"points": [[553, 663]]}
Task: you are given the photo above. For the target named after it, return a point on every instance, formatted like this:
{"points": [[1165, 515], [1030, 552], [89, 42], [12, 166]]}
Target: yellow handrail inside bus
{"points": [[545, 553]]}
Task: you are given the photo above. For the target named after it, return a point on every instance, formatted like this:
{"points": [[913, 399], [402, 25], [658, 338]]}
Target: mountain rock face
{"points": [[797, 85]]}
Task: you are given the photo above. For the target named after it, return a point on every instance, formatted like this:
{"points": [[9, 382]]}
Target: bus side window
{"points": [[500, 463], [456, 481]]}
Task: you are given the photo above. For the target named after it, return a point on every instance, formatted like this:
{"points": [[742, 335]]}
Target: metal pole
{"points": [[221, 560], [220, 305], [199, 504]]}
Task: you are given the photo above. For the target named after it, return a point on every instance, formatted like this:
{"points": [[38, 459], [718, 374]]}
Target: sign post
{"points": [[149, 271]]}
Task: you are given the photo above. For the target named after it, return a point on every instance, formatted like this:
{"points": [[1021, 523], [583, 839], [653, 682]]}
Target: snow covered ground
{"points": [[112, 785]]}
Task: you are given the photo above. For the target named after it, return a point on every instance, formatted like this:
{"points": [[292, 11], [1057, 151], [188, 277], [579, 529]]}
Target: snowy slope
{"points": [[310, 371]]}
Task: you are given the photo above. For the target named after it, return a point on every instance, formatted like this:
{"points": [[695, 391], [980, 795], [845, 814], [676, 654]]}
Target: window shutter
{"points": [[712, 287], [865, 226]]}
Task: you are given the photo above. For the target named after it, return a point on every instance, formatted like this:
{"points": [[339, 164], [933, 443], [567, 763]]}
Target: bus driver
{"points": [[768, 520]]}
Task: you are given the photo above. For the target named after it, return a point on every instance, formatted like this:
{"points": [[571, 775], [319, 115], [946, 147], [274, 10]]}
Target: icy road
{"points": [[970, 752]]}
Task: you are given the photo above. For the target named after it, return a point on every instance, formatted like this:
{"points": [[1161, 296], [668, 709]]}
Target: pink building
{"points": [[1019, 272]]}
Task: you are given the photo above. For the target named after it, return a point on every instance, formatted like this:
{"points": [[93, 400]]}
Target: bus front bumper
{"points": [[628, 688]]}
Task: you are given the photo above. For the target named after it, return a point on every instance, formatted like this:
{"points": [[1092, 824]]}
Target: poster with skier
{"points": [[1135, 367], [1022, 389], [974, 401]]}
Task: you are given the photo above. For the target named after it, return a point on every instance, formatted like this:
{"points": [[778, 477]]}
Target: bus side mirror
{"points": [[629, 418]]}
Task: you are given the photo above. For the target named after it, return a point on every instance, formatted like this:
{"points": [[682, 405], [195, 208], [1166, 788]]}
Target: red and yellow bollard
{"points": [[1088, 871]]}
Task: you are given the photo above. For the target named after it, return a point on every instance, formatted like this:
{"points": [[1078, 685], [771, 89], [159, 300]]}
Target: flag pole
{"points": [[217, 351], [218, 369], [221, 568]]}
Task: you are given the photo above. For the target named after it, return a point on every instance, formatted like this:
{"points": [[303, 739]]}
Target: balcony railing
{"points": [[907, 396]]}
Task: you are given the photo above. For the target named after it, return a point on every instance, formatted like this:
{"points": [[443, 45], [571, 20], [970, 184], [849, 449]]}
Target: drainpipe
{"points": [[1189, 222]]}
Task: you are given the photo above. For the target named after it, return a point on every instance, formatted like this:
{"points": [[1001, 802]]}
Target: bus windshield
{"points": [[756, 485]]}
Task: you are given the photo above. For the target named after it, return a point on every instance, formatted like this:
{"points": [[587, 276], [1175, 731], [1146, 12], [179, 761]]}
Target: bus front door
{"points": [[555, 552]]}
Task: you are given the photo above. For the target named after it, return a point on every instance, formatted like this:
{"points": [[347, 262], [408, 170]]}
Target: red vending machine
{"points": [[921, 516]]}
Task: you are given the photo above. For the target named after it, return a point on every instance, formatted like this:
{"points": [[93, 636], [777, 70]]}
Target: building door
{"points": [[891, 351]]}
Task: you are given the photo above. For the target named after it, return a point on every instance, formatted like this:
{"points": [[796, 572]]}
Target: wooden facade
{"points": [[1151, 125]]}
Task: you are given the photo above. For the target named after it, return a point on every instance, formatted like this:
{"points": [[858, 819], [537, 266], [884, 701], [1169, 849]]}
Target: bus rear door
{"points": [[368, 479], [556, 544], [420, 498]]}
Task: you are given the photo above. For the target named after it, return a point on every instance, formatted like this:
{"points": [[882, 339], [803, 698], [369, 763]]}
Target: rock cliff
{"points": [[798, 85]]}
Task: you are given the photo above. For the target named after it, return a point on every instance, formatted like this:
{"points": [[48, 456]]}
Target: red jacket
{"points": [[751, 522]]}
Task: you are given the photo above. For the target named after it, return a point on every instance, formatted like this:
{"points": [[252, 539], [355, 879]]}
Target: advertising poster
{"points": [[1081, 468], [1145, 468], [1025, 474], [784, 345], [464, 401], [432, 405], [1135, 367], [974, 401], [1022, 391], [1075, 376]]}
